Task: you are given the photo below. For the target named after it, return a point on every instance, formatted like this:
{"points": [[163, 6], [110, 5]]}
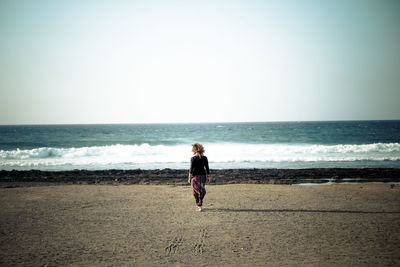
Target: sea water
{"points": [[339, 144]]}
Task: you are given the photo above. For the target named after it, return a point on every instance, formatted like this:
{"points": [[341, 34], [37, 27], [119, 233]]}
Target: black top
{"points": [[199, 166]]}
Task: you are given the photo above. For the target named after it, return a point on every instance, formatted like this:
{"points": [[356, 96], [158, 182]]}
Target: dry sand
{"points": [[242, 225]]}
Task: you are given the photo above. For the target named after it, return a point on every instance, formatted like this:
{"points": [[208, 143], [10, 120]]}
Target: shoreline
{"points": [[178, 177]]}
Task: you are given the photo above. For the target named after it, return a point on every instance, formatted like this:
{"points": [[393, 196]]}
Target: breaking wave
{"points": [[161, 156]]}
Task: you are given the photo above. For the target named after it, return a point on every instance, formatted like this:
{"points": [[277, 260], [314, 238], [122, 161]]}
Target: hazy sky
{"points": [[198, 61]]}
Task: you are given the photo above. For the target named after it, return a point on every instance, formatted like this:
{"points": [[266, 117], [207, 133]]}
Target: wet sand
{"points": [[242, 225]]}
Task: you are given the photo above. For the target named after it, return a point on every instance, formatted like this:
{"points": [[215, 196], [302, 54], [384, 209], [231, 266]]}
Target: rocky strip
{"points": [[179, 177]]}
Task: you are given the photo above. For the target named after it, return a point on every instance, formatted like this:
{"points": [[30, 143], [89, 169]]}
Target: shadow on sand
{"points": [[301, 211]]}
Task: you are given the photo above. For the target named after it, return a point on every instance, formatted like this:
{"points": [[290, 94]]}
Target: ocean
{"points": [[333, 144]]}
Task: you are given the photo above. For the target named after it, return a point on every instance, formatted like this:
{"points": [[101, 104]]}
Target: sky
{"points": [[81, 61]]}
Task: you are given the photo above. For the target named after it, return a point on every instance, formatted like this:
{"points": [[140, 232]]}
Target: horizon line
{"points": [[204, 122]]}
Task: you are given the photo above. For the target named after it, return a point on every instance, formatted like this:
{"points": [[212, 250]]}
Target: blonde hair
{"points": [[198, 149]]}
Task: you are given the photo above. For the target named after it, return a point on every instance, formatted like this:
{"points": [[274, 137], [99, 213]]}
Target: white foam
{"points": [[226, 154]]}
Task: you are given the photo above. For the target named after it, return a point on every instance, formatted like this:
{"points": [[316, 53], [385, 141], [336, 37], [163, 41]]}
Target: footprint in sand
{"points": [[199, 246], [173, 245]]}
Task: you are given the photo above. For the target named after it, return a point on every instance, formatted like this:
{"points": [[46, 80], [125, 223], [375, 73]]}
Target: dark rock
{"points": [[179, 177]]}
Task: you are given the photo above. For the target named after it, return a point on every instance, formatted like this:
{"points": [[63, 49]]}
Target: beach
{"points": [[241, 225], [289, 108]]}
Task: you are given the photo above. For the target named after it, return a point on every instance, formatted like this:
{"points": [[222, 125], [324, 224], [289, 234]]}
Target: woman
{"points": [[199, 174]]}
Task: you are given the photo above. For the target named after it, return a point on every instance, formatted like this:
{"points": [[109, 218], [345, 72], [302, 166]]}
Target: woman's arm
{"points": [[190, 175], [191, 165], [207, 170], [206, 166]]}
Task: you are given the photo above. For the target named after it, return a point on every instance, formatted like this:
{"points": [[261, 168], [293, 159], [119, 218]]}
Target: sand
{"points": [[242, 225]]}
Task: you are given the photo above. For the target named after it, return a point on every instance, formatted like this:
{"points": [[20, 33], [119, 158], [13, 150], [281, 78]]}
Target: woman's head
{"points": [[198, 149]]}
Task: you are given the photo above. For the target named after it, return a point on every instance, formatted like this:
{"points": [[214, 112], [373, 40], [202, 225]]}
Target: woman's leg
{"points": [[202, 187], [197, 198], [202, 193]]}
